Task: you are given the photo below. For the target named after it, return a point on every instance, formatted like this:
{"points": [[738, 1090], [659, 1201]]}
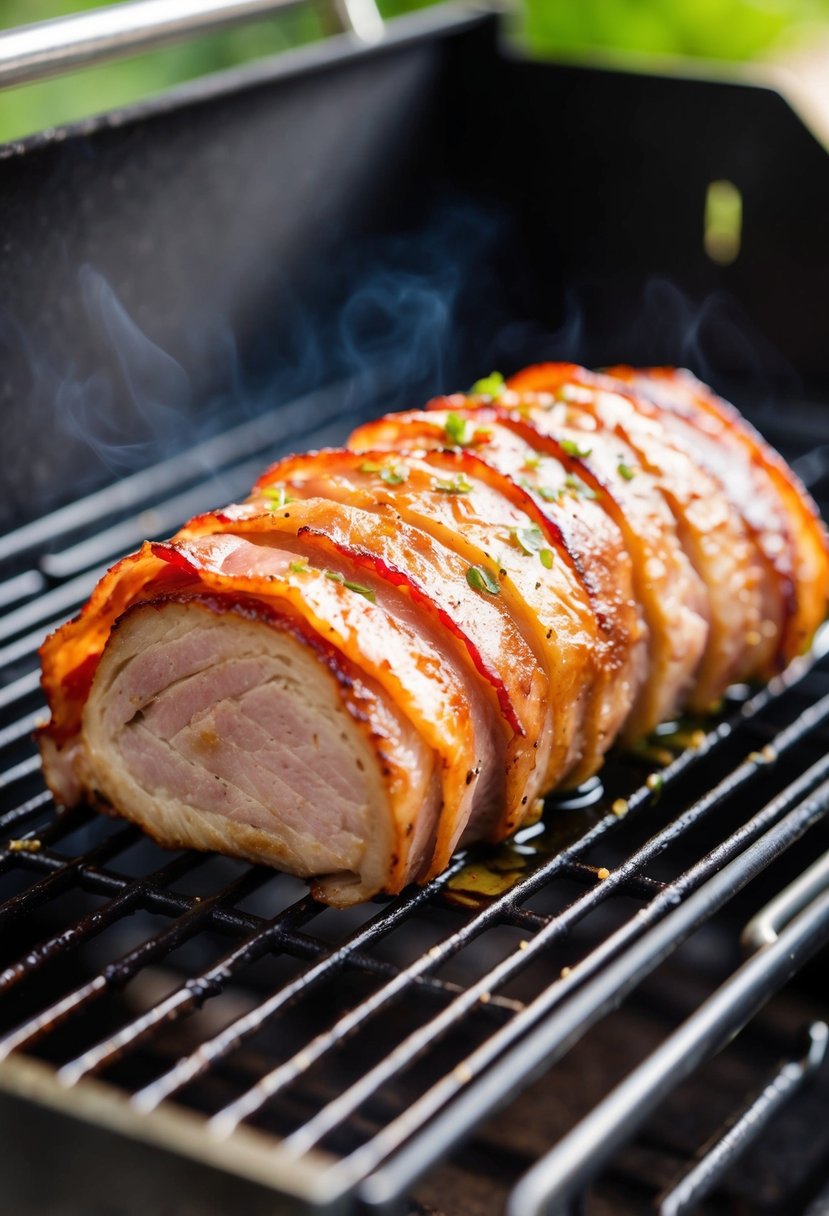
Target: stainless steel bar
{"points": [[764, 928], [716, 1158], [567, 1169], [495, 1071], [50, 48]]}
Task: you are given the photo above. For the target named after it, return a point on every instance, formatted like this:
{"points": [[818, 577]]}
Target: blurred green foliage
{"points": [[726, 29], [714, 29]]}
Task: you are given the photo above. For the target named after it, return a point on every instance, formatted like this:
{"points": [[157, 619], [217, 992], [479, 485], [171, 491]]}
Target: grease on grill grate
{"points": [[225, 989]]}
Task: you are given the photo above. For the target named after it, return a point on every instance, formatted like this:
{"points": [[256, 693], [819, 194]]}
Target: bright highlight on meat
{"points": [[395, 649]]}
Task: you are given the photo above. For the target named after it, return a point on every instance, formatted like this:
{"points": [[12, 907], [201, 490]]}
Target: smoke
{"points": [[430, 309], [713, 337], [156, 388]]}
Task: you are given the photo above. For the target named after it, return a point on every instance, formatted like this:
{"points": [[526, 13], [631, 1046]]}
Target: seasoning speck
{"points": [[603, 873], [24, 846], [620, 808], [655, 782]]}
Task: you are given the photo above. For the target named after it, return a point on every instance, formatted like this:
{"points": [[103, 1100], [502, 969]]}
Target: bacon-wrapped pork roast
{"points": [[397, 648]]}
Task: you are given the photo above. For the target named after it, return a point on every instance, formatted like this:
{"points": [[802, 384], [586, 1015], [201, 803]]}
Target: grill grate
{"points": [[339, 1054]]}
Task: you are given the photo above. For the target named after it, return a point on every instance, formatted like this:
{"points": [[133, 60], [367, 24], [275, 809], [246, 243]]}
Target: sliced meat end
{"points": [[389, 639], [213, 730]]}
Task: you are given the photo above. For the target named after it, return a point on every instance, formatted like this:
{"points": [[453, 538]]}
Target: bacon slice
{"points": [[709, 528], [776, 507], [666, 586], [450, 500], [394, 650], [581, 535]]}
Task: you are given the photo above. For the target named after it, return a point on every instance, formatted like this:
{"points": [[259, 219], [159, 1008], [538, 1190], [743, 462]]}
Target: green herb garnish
{"points": [[532, 462], [579, 488], [462, 432], [457, 485], [392, 475], [481, 579], [548, 493], [458, 429], [574, 449], [277, 497], [299, 567], [546, 558], [624, 470], [529, 540], [490, 386], [361, 590], [336, 577]]}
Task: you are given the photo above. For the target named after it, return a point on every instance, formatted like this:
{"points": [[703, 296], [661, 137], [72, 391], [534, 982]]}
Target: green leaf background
{"points": [[719, 29]]}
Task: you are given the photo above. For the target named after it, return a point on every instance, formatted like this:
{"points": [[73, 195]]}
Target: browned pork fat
{"points": [[397, 649]]}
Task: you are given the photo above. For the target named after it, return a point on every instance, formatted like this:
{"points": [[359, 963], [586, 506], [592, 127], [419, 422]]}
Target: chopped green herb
{"points": [[579, 488], [336, 577], [546, 558], [457, 485], [481, 579], [490, 386], [458, 429], [277, 497], [529, 540], [298, 567], [532, 462], [574, 449], [361, 590], [624, 470], [392, 475], [548, 493], [462, 432]]}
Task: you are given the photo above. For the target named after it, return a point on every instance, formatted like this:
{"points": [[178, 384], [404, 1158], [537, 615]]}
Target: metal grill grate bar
{"points": [[309, 1135], [439, 1126]]}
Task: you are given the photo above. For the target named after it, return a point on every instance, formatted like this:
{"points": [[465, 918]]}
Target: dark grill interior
{"points": [[185, 1033]]}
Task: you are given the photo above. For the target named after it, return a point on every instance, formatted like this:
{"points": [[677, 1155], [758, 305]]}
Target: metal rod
{"points": [[716, 1158], [51, 48], [764, 928], [547, 1188], [497, 1070]]}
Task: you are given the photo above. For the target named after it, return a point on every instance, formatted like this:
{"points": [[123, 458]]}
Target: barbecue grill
{"points": [[623, 1006]]}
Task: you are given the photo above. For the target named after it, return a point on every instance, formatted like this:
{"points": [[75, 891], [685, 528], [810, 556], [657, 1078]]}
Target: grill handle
{"points": [[51, 48]]}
